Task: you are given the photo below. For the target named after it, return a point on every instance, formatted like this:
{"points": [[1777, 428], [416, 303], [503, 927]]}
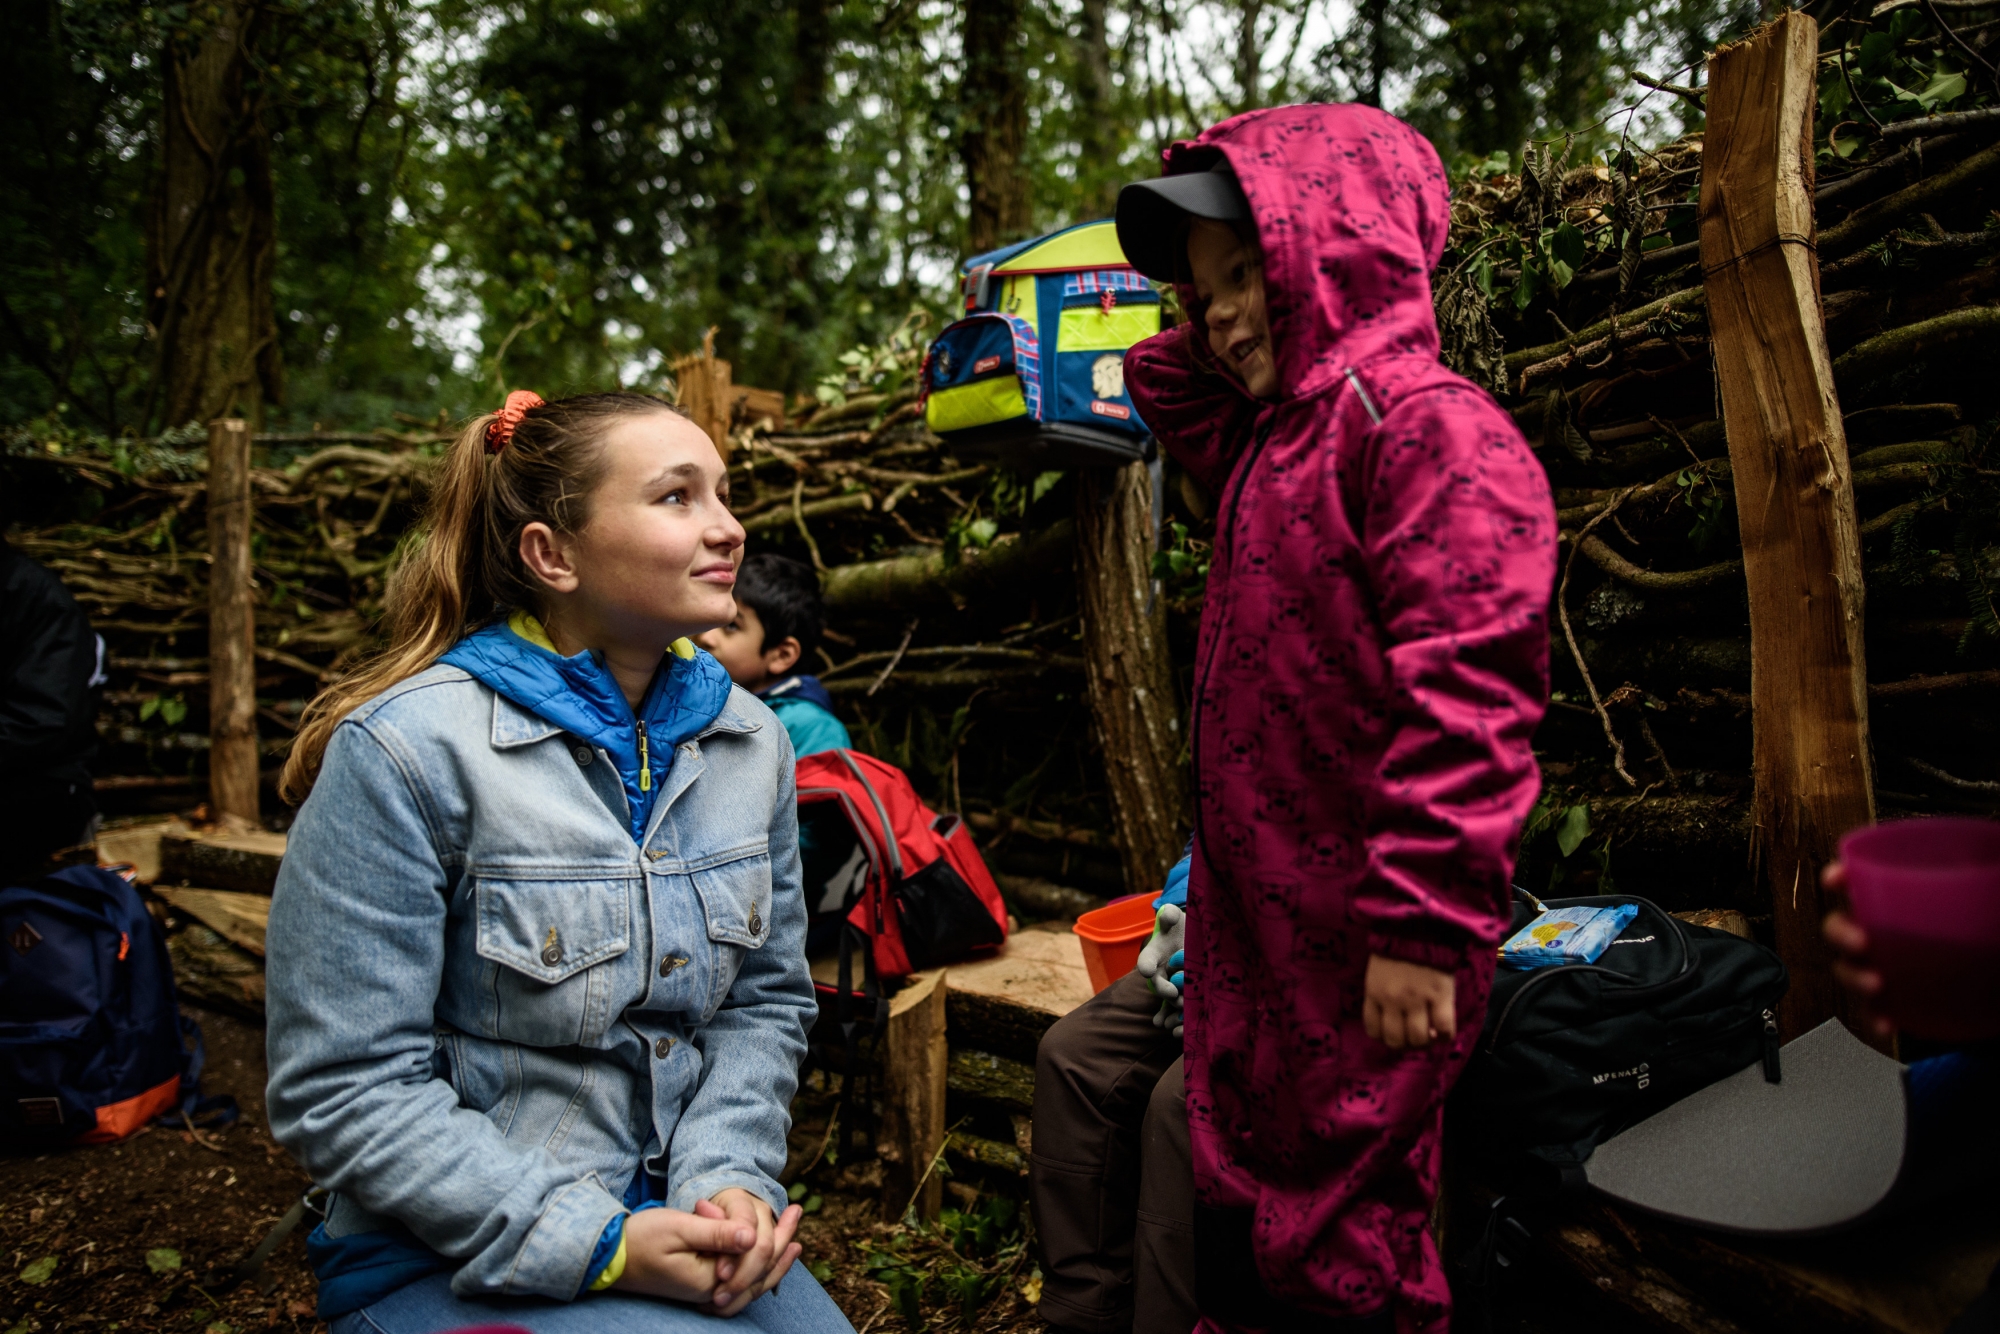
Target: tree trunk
{"points": [[1249, 57], [993, 111], [232, 632], [213, 238], [1794, 490], [1131, 678], [801, 189], [1377, 15], [1096, 138]]}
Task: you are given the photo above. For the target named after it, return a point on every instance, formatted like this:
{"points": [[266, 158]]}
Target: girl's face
{"points": [[1229, 301], [656, 558]]}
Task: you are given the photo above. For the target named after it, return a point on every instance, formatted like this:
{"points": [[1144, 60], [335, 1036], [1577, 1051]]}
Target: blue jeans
{"points": [[797, 1306]]}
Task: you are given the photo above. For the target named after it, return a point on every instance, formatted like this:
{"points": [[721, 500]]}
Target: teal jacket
{"points": [[806, 709]]}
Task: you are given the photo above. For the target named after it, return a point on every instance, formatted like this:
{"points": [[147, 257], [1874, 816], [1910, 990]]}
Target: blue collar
{"points": [[579, 695]]}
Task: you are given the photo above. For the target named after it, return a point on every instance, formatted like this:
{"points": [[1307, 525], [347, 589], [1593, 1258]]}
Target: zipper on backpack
{"points": [[645, 762], [1773, 1074]]}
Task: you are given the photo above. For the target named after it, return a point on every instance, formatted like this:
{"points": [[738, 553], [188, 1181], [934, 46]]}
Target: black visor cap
{"points": [[1152, 213]]}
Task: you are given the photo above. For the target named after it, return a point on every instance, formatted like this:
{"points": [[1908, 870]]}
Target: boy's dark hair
{"points": [[785, 595]]}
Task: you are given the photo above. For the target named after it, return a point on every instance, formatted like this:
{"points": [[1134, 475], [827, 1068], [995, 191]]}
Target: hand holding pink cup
{"points": [[1927, 892]]}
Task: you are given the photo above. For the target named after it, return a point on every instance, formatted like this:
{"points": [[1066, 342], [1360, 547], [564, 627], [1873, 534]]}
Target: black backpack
{"points": [[1571, 1055]]}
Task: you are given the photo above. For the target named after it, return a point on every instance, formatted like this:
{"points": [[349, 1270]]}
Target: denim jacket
{"points": [[488, 1004]]}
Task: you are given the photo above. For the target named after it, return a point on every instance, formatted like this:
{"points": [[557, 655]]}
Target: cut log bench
{"points": [[994, 1011]]}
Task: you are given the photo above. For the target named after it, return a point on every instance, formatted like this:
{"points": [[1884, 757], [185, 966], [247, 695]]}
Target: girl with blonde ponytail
{"points": [[537, 990]]}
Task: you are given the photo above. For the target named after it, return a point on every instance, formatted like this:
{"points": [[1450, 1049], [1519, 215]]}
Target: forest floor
{"points": [[126, 1236]]}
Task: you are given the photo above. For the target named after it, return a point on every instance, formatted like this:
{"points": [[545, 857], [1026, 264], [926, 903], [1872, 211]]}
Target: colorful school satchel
{"points": [[1036, 367], [92, 1044]]}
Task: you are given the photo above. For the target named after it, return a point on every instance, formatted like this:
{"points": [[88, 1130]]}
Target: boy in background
{"points": [[778, 621]]}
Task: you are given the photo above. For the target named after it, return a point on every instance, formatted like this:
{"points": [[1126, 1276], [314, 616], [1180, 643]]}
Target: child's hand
{"points": [[1852, 968], [674, 1255], [746, 1277], [1407, 1004]]}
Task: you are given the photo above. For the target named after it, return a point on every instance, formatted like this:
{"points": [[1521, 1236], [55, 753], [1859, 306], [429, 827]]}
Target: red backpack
{"points": [[924, 895]]}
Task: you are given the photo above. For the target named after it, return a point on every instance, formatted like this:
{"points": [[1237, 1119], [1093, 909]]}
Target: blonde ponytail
{"points": [[464, 568]]}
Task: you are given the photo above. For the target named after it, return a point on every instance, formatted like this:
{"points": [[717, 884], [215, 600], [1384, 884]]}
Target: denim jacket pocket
{"points": [[549, 932], [735, 889]]}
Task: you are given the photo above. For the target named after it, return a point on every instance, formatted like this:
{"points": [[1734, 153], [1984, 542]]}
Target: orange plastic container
{"points": [[1113, 936]]}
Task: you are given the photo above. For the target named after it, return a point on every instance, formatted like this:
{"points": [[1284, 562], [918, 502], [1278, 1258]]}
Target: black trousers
{"points": [[1111, 1172]]}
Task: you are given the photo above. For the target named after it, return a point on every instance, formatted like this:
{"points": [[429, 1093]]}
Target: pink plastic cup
{"points": [[1927, 892]]}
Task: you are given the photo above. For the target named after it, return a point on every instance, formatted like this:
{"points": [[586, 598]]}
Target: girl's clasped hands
{"points": [[730, 1251]]}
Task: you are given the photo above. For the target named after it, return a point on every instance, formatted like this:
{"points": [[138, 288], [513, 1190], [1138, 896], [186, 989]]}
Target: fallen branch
{"points": [[1583, 668], [910, 583], [1618, 567], [1949, 780], [1664, 257], [1944, 124], [889, 668], [948, 651], [1871, 222], [968, 679], [1713, 468], [378, 462], [1046, 831], [1857, 368], [1933, 685], [1688, 298], [784, 516]]}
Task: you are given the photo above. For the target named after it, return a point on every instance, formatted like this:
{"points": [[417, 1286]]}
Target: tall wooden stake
{"points": [[913, 1096], [1131, 680], [706, 393], [232, 642], [1794, 490]]}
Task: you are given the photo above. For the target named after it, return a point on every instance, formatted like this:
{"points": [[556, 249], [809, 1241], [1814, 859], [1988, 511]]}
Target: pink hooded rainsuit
{"points": [[1373, 661]]}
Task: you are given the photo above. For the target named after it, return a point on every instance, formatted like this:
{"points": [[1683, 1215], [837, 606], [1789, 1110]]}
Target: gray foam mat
{"points": [[1811, 1154]]}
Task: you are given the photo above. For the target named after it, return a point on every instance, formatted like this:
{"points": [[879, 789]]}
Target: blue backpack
{"points": [[92, 1043], [1035, 371]]}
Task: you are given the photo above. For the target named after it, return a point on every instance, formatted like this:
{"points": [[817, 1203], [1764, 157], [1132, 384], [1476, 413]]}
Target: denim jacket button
{"points": [[552, 950], [662, 1046], [756, 922], [671, 962], [583, 757]]}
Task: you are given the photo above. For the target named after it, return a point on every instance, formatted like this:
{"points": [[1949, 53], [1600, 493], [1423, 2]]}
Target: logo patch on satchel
{"points": [[41, 1111]]}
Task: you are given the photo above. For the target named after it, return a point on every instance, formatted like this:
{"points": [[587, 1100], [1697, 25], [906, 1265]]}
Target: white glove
{"points": [[1162, 960]]}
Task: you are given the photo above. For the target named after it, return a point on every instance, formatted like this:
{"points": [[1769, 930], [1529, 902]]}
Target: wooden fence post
{"points": [[913, 1087], [706, 393], [232, 634], [1130, 678], [1794, 490]]}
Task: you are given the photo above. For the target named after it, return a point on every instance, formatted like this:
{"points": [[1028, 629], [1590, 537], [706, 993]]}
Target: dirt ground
{"points": [[134, 1229]]}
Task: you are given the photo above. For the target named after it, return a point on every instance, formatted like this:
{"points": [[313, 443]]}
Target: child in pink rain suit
{"points": [[1373, 661]]}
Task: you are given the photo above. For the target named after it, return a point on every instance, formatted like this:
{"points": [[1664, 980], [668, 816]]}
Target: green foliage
{"points": [[957, 1263], [169, 709], [1182, 565], [1573, 828], [472, 196], [1900, 68], [1712, 510]]}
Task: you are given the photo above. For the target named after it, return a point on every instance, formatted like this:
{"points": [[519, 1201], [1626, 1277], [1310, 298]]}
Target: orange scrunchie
{"points": [[501, 429]]}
